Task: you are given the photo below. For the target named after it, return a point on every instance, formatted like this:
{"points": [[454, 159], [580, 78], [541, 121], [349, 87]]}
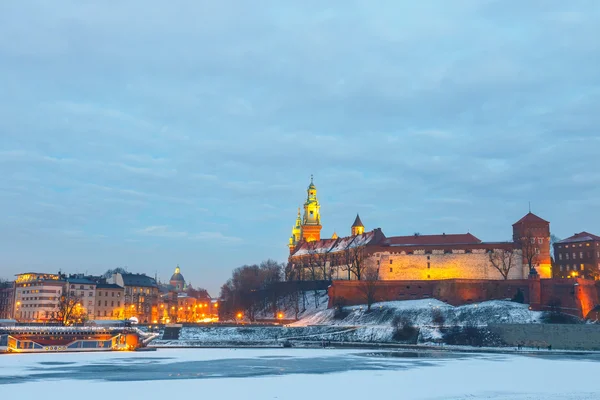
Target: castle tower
{"points": [[357, 227], [311, 221], [536, 231], [296, 233]]}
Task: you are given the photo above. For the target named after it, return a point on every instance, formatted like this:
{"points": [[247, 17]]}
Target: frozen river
{"points": [[298, 374]]}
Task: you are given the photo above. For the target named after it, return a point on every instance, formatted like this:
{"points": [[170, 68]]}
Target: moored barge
{"points": [[40, 339]]}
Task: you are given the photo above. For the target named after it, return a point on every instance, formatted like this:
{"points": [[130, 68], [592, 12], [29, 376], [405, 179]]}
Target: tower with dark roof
{"points": [[536, 231], [357, 227], [177, 280]]}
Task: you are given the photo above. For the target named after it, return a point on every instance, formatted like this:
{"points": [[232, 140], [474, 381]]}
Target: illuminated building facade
{"points": [[110, 301], [84, 290], [7, 299], [141, 296], [307, 228], [37, 296], [577, 256]]}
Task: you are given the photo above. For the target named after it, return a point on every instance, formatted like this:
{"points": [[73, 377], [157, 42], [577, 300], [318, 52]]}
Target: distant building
{"points": [[177, 281], [7, 299], [37, 296], [415, 257], [577, 256], [110, 301], [85, 291], [141, 296]]}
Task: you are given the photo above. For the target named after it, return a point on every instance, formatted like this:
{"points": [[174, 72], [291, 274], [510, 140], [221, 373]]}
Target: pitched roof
{"points": [[108, 286], [581, 237], [138, 280], [357, 222], [529, 218], [443, 239], [334, 245], [84, 281]]}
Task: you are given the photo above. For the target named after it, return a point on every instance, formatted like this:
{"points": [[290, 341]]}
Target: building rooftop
{"points": [[83, 281], [108, 286], [531, 218], [422, 240], [580, 237], [138, 280], [357, 222]]}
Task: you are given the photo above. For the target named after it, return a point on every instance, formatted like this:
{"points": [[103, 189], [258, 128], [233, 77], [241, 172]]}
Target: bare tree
{"points": [[530, 249], [503, 260], [368, 286], [347, 260], [70, 309], [357, 261]]}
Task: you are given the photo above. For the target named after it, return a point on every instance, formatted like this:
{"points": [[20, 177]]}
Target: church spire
{"points": [[296, 232]]}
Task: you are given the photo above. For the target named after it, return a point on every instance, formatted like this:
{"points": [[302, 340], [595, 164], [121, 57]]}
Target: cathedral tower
{"points": [[311, 221], [296, 233]]}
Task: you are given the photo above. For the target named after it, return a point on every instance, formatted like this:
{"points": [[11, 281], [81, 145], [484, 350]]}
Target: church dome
{"points": [[177, 277]]}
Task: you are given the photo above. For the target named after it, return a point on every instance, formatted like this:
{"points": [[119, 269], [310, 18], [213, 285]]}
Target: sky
{"points": [[149, 134]]}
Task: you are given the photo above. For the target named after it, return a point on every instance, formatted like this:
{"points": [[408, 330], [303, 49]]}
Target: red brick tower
{"points": [[533, 232]]}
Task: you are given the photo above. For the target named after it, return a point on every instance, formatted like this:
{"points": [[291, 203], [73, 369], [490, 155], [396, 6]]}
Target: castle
{"points": [[416, 257]]}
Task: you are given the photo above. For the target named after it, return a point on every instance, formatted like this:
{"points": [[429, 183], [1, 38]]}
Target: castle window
{"points": [[428, 276], [532, 240], [391, 261], [541, 240], [391, 269], [428, 265]]}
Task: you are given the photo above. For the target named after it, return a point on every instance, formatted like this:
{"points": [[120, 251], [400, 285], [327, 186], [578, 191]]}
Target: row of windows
{"points": [[580, 245], [38, 291], [112, 303], [568, 267], [39, 298], [581, 254], [106, 314], [82, 287], [106, 294], [39, 305]]}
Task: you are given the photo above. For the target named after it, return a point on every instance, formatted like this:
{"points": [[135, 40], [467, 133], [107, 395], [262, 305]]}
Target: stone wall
{"points": [[439, 265], [567, 337]]}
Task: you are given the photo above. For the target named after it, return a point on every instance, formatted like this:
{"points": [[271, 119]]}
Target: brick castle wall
{"points": [[573, 296]]}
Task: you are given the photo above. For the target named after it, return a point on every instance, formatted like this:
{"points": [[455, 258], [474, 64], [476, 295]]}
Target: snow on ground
{"points": [[422, 312], [295, 374], [319, 323]]}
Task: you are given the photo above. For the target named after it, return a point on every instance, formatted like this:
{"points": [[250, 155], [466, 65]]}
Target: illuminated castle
{"points": [[307, 227], [415, 257]]}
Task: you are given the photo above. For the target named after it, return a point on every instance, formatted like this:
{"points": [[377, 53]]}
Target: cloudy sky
{"points": [[148, 133]]}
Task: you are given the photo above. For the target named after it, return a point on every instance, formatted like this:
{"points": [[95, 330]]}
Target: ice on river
{"points": [[298, 374]]}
